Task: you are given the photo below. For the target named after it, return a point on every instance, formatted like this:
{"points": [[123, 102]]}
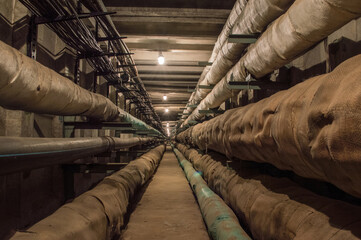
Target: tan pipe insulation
{"points": [[29, 86], [99, 213], [302, 26], [26, 84], [254, 19], [246, 18], [312, 129], [222, 39], [277, 208]]}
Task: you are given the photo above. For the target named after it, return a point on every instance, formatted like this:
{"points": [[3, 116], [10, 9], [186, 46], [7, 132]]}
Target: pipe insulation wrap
{"points": [[27, 85], [252, 17], [306, 23], [99, 213], [276, 208], [222, 38], [222, 223], [312, 129], [302, 26], [255, 18], [22, 153]]}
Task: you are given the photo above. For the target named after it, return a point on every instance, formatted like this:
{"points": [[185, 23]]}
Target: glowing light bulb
{"points": [[166, 110], [167, 124], [161, 59], [165, 97]]}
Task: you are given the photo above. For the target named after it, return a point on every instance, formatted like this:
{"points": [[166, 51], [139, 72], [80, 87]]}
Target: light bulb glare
{"points": [[161, 59], [165, 97], [166, 110]]}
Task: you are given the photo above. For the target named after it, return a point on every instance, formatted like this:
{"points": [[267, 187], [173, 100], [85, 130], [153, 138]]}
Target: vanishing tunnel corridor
{"points": [[167, 209], [180, 120]]}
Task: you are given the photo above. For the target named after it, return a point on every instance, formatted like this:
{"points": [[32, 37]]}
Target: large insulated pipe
{"points": [[27, 85], [250, 17], [312, 129], [305, 23], [222, 38], [99, 213], [276, 208], [21, 153], [222, 223]]}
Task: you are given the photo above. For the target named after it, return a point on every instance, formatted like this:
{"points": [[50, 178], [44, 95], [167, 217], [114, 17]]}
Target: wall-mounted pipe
{"points": [[27, 85], [312, 129], [222, 38], [276, 208], [250, 17], [222, 223], [305, 23], [98, 214], [21, 153]]}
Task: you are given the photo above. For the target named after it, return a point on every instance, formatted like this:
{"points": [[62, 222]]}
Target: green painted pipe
{"points": [[222, 223], [138, 124]]}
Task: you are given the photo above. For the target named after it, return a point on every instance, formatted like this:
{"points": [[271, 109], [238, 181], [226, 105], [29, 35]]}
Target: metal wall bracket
{"points": [[211, 111], [45, 20], [257, 85], [203, 64], [96, 55], [243, 38]]}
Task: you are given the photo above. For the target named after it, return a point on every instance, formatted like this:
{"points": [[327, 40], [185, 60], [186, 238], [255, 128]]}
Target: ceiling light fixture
{"points": [[165, 97], [166, 110], [161, 58]]}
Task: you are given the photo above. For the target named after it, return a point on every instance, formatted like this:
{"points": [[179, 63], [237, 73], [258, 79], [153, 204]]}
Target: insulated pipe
{"points": [[305, 23], [98, 214], [276, 208], [29, 86], [252, 17], [223, 37], [21, 153], [222, 223], [312, 129]]}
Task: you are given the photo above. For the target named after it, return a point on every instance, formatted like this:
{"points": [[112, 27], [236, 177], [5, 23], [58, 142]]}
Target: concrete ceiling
{"points": [[183, 30]]}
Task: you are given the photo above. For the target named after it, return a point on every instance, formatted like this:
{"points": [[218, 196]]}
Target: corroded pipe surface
{"points": [[312, 129], [276, 208], [22, 153], [99, 213], [222, 223]]}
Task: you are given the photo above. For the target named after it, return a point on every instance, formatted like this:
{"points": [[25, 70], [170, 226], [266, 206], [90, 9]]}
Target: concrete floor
{"points": [[168, 208]]}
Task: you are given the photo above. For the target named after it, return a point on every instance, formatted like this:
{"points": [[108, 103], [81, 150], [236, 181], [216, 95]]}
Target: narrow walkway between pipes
{"points": [[167, 210]]}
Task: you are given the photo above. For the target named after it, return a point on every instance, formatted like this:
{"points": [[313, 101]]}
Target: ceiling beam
{"points": [[195, 47], [145, 79], [211, 4], [148, 72]]}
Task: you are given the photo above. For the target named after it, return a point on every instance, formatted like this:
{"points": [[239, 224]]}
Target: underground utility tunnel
{"points": [[184, 119]]}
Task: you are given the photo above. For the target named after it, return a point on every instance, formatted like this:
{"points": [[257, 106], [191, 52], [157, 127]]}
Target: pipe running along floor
{"points": [[168, 208]]}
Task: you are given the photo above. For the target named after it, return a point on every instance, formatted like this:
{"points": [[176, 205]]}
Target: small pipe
{"points": [[222, 223], [20, 153]]}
